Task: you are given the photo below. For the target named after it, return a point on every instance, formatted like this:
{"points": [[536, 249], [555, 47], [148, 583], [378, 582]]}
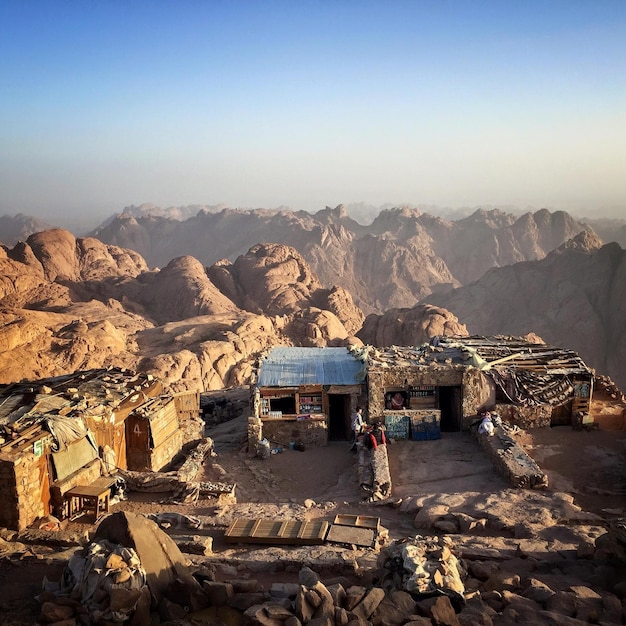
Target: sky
{"points": [[311, 103]]}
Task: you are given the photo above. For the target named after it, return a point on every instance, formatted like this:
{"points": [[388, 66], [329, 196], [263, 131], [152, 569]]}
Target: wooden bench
{"points": [[90, 499]]}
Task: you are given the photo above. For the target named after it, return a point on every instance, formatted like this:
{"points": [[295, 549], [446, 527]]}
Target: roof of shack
{"points": [[28, 408], [290, 367], [499, 352], [526, 373]]}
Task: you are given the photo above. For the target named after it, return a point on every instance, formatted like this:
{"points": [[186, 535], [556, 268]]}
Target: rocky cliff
{"points": [[68, 303]]}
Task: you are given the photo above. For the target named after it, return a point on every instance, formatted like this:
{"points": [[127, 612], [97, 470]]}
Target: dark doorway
{"points": [[451, 408], [339, 417]]}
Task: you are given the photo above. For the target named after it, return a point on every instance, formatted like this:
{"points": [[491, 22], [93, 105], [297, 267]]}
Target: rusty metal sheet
{"points": [[76, 455]]}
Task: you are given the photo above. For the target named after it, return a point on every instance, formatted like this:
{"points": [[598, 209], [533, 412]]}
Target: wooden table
{"points": [[93, 498]]}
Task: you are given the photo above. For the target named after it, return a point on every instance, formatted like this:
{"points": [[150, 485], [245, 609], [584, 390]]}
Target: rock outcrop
{"points": [[409, 327], [69, 304]]}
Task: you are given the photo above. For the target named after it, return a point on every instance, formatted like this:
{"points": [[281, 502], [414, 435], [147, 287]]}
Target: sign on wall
{"points": [[397, 426]]}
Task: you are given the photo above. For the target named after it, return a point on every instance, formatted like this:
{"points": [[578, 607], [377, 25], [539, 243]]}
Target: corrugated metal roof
{"points": [[290, 367]]}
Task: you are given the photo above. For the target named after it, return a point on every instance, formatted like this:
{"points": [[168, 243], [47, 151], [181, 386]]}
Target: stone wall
{"points": [[20, 501], [379, 380], [255, 430], [192, 428], [511, 460], [525, 416], [478, 392], [308, 431]]}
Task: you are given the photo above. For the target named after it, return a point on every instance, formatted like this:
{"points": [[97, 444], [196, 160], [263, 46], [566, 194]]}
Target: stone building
{"points": [[60, 433], [305, 395], [441, 386]]}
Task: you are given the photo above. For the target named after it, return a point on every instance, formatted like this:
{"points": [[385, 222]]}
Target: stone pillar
{"points": [[255, 433]]}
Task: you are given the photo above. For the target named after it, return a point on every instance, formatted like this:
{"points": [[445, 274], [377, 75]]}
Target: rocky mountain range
{"points": [[394, 262], [70, 303]]}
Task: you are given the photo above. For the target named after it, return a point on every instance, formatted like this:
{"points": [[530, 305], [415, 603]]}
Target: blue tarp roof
{"points": [[290, 367]]}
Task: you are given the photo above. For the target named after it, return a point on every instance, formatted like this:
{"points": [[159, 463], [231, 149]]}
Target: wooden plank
{"points": [[277, 532], [359, 521], [302, 530], [351, 535], [255, 528]]}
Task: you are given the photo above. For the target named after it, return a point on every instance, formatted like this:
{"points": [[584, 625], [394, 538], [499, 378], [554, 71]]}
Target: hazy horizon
{"points": [[312, 104]]}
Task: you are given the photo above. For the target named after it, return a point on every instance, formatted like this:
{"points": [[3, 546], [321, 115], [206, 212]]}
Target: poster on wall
{"points": [[397, 426]]}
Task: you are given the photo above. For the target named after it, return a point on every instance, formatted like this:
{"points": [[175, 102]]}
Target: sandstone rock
{"points": [[369, 603], [502, 580], [284, 590], [440, 611], [537, 591], [307, 577], [482, 569], [338, 594], [245, 585], [243, 601], [53, 612], [354, 595], [171, 611], [160, 557], [409, 326], [219, 593], [428, 515]]}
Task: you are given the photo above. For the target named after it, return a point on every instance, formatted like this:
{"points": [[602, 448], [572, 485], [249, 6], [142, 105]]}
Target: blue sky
{"points": [[311, 103]]}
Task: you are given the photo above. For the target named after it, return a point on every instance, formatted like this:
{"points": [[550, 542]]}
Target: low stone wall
{"points": [[511, 460], [373, 472], [309, 432]]}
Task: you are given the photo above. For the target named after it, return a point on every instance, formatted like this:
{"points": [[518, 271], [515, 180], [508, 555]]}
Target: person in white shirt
{"points": [[356, 424], [486, 426]]}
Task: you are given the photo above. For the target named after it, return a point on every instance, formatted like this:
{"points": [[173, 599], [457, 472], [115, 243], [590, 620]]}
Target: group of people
{"points": [[375, 433]]}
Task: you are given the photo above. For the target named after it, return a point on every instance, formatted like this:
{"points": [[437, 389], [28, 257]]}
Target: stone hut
{"points": [[442, 385], [64, 432], [305, 395]]}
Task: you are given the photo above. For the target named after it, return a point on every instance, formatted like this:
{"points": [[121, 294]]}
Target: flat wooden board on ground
{"points": [[358, 521], [351, 535], [277, 532]]}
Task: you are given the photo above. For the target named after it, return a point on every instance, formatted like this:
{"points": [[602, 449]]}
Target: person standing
{"points": [[356, 424]]}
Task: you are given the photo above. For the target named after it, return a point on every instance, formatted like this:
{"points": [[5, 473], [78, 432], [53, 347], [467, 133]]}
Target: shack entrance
{"points": [[339, 416], [450, 405]]}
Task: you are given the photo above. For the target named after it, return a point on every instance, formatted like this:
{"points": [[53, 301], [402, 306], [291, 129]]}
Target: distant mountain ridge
{"points": [[14, 228], [397, 260], [70, 303]]}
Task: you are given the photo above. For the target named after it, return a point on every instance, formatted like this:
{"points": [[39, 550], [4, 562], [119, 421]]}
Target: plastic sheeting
{"points": [[95, 577], [64, 430]]}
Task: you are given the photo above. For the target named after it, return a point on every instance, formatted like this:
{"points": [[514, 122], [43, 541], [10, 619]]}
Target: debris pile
{"points": [[106, 582], [607, 386], [130, 570]]}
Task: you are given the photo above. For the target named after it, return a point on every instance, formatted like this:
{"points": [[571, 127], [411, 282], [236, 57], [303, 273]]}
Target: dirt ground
{"points": [[589, 465]]}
